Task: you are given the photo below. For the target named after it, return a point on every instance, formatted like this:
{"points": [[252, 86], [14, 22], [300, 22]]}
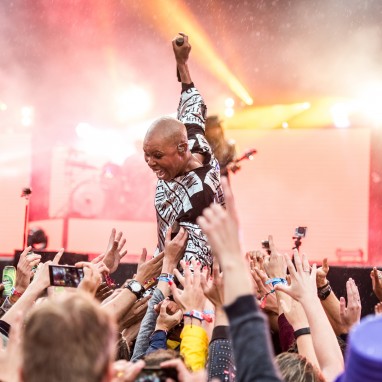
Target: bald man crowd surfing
{"points": [[187, 171]]}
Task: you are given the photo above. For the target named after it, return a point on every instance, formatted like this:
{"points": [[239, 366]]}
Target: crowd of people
{"points": [[199, 309]]}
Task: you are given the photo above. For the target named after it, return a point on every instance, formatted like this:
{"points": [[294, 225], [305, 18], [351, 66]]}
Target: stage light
{"points": [[340, 115], [27, 115], [229, 112], [285, 125], [204, 51], [305, 106], [371, 102], [132, 103], [229, 102], [37, 238], [3, 106], [84, 130]]}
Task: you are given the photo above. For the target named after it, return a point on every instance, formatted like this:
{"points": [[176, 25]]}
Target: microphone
{"points": [[179, 41]]}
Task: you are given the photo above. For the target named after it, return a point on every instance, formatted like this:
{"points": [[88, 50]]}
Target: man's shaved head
{"points": [[168, 129]]}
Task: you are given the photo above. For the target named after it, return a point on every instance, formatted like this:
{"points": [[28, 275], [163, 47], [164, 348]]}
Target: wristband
{"points": [[14, 292], [109, 281], [201, 316], [147, 284], [194, 314], [276, 280], [324, 286], [324, 292], [263, 299], [301, 332], [166, 277]]}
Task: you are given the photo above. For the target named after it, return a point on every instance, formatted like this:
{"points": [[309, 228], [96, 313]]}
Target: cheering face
{"points": [[167, 160]]}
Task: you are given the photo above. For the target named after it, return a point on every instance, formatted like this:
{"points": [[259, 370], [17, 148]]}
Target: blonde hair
{"points": [[69, 339], [296, 368]]}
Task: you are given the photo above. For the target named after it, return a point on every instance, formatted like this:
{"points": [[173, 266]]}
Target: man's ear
{"points": [[182, 147]]}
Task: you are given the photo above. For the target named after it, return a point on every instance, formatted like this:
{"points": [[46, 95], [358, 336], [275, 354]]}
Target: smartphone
{"points": [[65, 275]]}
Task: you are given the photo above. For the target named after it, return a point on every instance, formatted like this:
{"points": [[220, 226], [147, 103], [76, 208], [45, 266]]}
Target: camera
{"points": [[65, 275], [156, 374], [300, 232]]}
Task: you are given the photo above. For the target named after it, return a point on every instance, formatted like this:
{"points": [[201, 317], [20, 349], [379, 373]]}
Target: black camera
{"points": [[65, 275], [300, 231]]}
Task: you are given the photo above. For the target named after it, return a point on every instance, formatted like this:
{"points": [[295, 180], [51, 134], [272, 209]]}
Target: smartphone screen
{"points": [[65, 275]]}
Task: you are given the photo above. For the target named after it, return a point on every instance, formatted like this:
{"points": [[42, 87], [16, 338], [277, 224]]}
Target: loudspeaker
{"points": [[67, 258]]}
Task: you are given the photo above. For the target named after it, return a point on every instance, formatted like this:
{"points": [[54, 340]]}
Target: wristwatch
{"points": [[136, 288]]}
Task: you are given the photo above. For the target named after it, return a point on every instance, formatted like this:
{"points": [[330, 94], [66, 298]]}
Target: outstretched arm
{"points": [[191, 109]]}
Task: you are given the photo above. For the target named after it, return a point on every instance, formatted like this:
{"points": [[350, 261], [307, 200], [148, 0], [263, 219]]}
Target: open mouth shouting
{"points": [[161, 174]]}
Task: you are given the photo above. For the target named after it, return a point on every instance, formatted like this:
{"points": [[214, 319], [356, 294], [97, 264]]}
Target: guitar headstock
{"points": [[249, 154]]}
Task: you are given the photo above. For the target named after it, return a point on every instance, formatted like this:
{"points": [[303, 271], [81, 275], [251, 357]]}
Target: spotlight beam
{"points": [[174, 16]]}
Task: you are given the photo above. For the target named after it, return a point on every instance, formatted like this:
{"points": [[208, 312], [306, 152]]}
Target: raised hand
{"points": [[275, 264], [165, 320], [376, 279], [378, 308], [303, 280], [92, 277], [41, 279], [181, 52], [322, 273], [147, 270], [24, 269], [174, 249], [114, 251], [268, 300], [192, 296], [213, 288], [350, 314]]}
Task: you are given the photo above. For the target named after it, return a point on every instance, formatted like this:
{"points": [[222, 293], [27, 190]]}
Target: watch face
{"points": [[135, 287]]}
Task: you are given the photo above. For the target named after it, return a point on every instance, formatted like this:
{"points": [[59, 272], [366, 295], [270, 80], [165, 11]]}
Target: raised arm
{"points": [[182, 50], [248, 327]]}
